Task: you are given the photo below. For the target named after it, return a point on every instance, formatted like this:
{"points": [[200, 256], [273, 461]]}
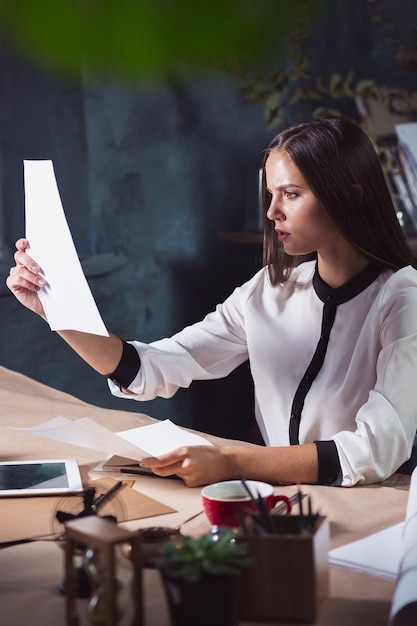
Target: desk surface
{"points": [[31, 572]]}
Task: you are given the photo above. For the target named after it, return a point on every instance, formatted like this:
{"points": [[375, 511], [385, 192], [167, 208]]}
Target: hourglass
{"points": [[101, 538]]}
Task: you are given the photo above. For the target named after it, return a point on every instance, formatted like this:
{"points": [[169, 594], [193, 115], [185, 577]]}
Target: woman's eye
{"points": [[291, 195]]}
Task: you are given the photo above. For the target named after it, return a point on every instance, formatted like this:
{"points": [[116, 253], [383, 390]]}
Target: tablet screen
{"points": [[28, 478]]}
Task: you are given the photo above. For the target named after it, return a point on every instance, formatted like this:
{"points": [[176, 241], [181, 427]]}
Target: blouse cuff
{"points": [[330, 471], [128, 367]]}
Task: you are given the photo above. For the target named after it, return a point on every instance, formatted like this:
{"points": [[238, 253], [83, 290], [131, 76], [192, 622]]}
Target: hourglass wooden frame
{"points": [[104, 536]]}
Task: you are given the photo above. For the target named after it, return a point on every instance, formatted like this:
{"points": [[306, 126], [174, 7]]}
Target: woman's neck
{"points": [[337, 269]]}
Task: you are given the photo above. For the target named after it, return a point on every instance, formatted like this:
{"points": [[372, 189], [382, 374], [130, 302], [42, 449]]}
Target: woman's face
{"points": [[300, 221]]}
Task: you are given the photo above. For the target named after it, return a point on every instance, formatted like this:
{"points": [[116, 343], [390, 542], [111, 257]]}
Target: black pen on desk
{"points": [[105, 497]]}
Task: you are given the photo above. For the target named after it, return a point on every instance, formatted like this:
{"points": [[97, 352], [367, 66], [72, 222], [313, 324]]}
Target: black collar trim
{"points": [[349, 290]]}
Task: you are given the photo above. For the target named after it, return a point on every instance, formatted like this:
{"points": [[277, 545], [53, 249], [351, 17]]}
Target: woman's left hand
{"points": [[196, 465]]}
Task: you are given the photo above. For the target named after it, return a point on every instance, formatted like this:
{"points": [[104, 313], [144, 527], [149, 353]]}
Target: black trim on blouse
{"points": [[331, 298], [128, 367], [330, 472]]}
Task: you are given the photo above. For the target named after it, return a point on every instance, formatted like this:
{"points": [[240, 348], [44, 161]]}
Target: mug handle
{"points": [[281, 498]]}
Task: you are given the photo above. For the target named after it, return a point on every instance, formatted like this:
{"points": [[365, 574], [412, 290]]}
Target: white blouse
{"points": [[364, 396]]}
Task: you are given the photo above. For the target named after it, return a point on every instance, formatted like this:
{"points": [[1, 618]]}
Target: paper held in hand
{"points": [[134, 444], [67, 299]]}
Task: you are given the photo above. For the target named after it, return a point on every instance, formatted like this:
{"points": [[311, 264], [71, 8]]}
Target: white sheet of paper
{"points": [[378, 555], [162, 437], [135, 443], [382, 554], [67, 301], [404, 601]]}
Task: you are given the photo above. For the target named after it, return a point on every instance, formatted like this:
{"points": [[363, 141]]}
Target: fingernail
{"points": [[41, 281], [35, 268]]}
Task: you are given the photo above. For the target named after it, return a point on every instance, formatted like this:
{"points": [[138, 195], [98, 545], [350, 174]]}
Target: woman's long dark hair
{"points": [[339, 163]]}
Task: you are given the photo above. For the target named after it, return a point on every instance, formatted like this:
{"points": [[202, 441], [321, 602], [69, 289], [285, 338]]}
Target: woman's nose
{"points": [[274, 212]]}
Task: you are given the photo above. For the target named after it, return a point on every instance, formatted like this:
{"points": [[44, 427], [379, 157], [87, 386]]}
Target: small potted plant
{"points": [[201, 578]]}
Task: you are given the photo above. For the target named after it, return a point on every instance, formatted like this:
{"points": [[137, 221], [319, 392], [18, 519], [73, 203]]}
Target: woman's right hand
{"points": [[26, 278]]}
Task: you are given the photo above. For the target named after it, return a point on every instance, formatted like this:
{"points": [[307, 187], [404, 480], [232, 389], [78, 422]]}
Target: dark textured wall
{"points": [[148, 178]]}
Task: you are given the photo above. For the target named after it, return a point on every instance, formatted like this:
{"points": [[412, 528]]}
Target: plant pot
{"points": [[210, 600]]}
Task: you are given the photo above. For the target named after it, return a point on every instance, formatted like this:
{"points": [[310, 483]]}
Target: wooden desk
{"points": [[30, 573]]}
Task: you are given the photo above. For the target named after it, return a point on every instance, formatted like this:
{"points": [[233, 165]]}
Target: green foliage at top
{"points": [[147, 38], [191, 558]]}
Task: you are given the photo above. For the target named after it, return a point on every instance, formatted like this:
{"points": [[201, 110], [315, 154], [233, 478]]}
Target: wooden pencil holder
{"points": [[288, 578], [103, 536]]}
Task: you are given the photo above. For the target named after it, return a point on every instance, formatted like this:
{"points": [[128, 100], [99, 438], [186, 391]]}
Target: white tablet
{"points": [[45, 477]]}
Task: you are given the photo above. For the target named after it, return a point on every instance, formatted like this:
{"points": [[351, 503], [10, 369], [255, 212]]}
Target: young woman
{"points": [[329, 326]]}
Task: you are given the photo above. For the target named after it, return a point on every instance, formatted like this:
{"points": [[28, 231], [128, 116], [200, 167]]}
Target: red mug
{"points": [[227, 501]]}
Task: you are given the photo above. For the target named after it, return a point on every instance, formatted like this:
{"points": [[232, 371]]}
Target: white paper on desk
{"points": [[135, 443], [382, 554], [404, 602], [67, 301], [378, 555]]}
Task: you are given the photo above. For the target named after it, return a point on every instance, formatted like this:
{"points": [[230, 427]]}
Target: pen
{"points": [[265, 514], [312, 517], [106, 496], [304, 525], [263, 520]]}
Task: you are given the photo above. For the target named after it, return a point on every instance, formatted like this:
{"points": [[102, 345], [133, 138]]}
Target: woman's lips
{"points": [[282, 235]]}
